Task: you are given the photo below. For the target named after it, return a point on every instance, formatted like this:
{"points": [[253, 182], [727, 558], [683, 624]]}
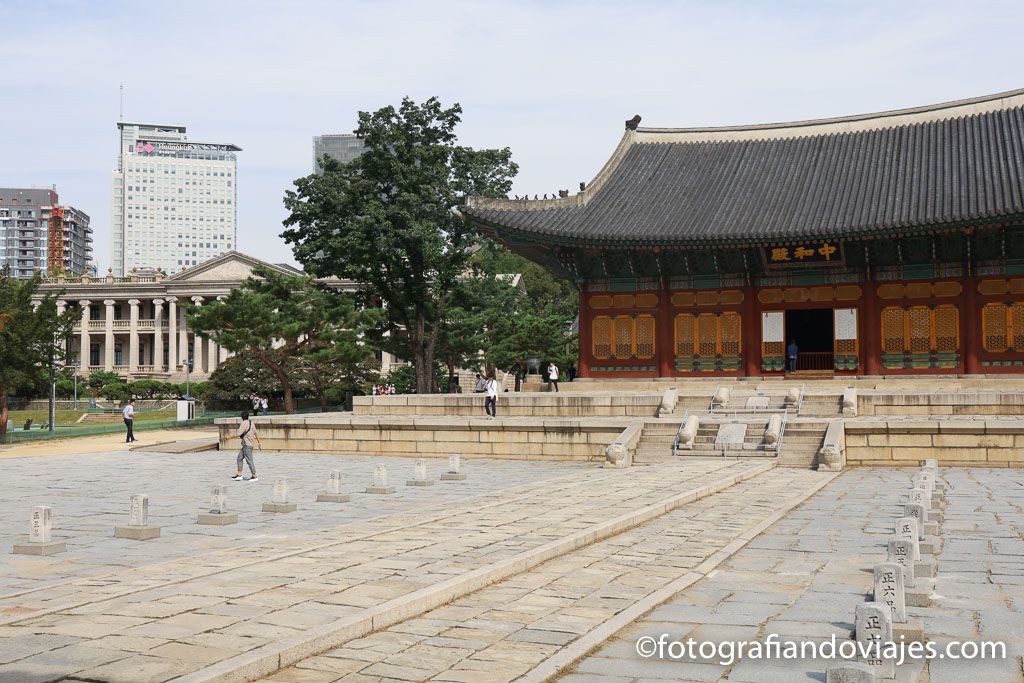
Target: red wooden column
{"points": [[751, 326], [870, 332], [586, 329], [665, 332], [970, 327]]}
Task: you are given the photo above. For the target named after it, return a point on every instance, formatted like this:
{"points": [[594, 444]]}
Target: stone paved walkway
{"points": [[500, 633], [803, 578], [159, 620]]}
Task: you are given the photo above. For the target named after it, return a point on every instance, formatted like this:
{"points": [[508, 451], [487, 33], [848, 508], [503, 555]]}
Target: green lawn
{"points": [[70, 417]]}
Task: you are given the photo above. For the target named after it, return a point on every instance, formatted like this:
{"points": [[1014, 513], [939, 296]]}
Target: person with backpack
{"points": [[247, 434], [491, 400]]}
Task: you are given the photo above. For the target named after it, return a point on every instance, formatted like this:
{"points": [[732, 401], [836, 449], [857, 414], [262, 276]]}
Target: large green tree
{"points": [[32, 337], [388, 220], [281, 319]]}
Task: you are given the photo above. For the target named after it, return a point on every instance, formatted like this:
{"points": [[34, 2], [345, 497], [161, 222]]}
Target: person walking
{"points": [[129, 420], [792, 351], [264, 405], [553, 376], [491, 400], [480, 385], [246, 433]]}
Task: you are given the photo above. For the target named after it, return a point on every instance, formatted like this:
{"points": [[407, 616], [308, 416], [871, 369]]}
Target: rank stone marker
{"points": [[218, 514], [380, 482], [454, 465], [901, 551], [138, 528], [420, 475], [39, 541], [874, 630], [919, 496], [919, 513], [889, 590], [334, 494], [280, 502], [906, 529], [850, 672]]}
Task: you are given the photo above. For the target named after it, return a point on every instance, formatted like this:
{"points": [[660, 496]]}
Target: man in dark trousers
{"points": [[791, 353], [129, 420]]}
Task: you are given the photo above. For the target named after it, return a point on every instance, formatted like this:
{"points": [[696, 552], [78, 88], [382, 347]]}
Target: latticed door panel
{"points": [[730, 334], [994, 330], [644, 336], [921, 336], [707, 334], [623, 336], [602, 337], [893, 330], [686, 326], [947, 336], [919, 328], [1017, 325]]}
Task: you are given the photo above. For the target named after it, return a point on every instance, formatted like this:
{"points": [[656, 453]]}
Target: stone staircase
{"points": [[656, 442], [814, 405], [801, 442]]}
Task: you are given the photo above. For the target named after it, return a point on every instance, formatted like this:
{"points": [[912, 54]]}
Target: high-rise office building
{"points": [[174, 200], [38, 234], [343, 147]]}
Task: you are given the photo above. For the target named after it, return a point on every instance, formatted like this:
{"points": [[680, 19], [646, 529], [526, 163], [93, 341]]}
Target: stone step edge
{"points": [[272, 657], [567, 657]]}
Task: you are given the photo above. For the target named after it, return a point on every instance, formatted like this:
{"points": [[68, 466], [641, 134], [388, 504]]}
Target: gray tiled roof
{"points": [[955, 163]]}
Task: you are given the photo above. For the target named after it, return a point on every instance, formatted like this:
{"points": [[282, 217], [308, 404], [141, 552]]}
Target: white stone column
{"points": [[172, 326], [108, 336], [158, 335], [84, 348], [197, 341], [133, 336], [182, 338]]}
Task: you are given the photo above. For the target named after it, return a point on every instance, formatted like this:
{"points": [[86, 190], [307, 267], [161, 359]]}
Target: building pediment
{"points": [[230, 267]]}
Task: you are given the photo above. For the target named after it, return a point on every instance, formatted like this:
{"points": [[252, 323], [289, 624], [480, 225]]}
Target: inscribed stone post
{"points": [[281, 490], [453, 463], [874, 631], [421, 470], [138, 510], [41, 524], [919, 496], [906, 529], [901, 551], [889, 590], [219, 500], [380, 477], [334, 482], [919, 513]]}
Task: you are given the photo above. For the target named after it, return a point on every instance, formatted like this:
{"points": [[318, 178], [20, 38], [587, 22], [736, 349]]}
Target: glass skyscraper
{"points": [[343, 147]]}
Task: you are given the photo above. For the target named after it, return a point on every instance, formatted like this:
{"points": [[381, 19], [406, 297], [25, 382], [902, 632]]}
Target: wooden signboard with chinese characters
{"points": [[807, 254]]}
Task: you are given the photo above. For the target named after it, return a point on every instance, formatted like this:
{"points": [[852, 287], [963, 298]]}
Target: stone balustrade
{"points": [[643, 404]]}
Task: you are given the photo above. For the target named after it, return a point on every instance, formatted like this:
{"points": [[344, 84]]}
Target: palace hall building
{"points": [[888, 243]]}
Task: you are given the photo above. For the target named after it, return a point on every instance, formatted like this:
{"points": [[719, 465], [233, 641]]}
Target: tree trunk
{"points": [[323, 401], [422, 358], [289, 406], [3, 413]]}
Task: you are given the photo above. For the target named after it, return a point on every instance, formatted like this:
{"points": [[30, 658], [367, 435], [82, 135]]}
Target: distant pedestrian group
{"points": [[383, 389], [260, 405]]}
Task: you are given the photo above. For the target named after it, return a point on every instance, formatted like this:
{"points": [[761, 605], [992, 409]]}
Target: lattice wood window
{"points": [[1002, 327], [707, 334], [921, 329], [623, 337]]}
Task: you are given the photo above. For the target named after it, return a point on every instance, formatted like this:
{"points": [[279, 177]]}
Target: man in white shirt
{"points": [[552, 376], [129, 420], [491, 400]]}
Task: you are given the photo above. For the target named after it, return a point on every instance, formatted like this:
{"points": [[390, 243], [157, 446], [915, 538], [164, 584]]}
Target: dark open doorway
{"points": [[812, 330]]}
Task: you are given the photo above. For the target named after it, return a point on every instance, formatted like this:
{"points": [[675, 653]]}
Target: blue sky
{"points": [[552, 80]]}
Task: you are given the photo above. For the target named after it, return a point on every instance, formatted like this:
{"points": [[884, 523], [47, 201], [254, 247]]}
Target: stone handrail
{"points": [[668, 401], [688, 433], [850, 402], [619, 453], [773, 431], [832, 454]]}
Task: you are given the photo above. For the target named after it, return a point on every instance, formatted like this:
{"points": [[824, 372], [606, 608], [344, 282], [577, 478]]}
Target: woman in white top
{"points": [[491, 399], [552, 376]]}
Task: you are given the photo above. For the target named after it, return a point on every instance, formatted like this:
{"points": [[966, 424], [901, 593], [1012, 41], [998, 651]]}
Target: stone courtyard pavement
{"points": [[525, 571]]}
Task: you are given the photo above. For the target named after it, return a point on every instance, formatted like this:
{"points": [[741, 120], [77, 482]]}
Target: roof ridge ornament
{"points": [[633, 123]]}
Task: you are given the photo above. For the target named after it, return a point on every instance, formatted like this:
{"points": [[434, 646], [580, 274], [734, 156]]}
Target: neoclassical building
{"points": [[135, 325]]}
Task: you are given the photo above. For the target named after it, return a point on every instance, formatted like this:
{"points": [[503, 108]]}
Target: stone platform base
{"points": [[931, 545], [921, 594], [924, 568], [332, 498], [48, 548], [214, 519], [910, 632], [380, 490], [419, 482], [137, 533], [280, 507], [451, 476]]}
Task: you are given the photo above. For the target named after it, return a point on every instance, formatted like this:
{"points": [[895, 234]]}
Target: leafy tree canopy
{"points": [[387, 220]]}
